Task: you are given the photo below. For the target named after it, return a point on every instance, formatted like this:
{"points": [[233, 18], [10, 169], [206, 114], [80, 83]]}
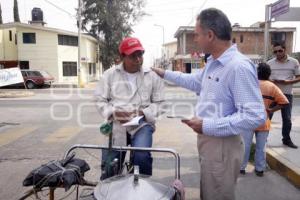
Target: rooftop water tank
{"points": [[37, 15]]}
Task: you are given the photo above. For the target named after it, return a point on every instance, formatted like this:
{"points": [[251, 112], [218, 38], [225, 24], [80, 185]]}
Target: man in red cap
{"points": [[130, 91]]}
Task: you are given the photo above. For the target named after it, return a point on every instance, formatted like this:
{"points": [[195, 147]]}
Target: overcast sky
{"points": [[168, 13]]}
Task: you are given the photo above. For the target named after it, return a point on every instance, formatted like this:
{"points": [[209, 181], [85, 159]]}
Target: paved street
{"points": [[40, 128]]}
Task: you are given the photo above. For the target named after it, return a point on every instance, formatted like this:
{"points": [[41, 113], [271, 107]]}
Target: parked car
{"points": [[37, 78]]}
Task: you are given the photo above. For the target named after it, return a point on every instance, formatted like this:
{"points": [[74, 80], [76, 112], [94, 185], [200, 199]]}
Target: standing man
{"points": [[126, 91], [285, 72], [229, 104]]}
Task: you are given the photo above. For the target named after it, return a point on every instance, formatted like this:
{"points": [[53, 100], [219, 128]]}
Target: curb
{"points": [[15, 94], [64, 86], [284, 167]]}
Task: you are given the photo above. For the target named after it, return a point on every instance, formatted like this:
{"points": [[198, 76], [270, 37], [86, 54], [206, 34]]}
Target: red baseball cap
{"points": [[129, 45]]}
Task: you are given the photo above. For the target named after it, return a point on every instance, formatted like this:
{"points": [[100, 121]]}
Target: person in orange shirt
{"points": [[274, 100]]}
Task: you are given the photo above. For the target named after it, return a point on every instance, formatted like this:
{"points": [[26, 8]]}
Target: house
{"points": [[249, 40], [170, 51], [35, 46]]}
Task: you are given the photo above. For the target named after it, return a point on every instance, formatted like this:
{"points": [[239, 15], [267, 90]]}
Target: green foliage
{"points": [[110, 21], [16, 12], [296, 55]]}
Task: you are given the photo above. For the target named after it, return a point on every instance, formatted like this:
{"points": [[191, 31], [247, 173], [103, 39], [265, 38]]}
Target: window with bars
{"points": [[241, 38], [29, 38], [67, 40], [69, 68], [10, 35], [92, 68], [278, 37]]}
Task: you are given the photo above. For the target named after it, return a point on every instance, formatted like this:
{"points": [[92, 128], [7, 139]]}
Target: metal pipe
{"points": [[79, 43], [120, 148]]}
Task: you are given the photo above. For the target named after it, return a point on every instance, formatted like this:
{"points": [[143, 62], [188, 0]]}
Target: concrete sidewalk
{"points": [[285, 160]]}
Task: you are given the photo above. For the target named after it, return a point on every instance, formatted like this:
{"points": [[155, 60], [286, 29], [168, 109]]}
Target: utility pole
{"points": [[266, 34], [1, 21], [79, 43]]}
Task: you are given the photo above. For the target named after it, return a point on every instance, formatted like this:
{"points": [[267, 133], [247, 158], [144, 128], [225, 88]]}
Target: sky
{"points": [[169, 14]]}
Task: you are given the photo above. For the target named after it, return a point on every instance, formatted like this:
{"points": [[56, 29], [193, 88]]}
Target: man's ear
{"points": [[210, 35]]}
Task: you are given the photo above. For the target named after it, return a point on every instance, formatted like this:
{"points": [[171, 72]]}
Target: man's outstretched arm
{"points": [[189, 81]]}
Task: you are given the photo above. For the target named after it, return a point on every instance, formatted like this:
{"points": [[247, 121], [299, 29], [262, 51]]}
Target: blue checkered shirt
{"points": [[229, 100]]}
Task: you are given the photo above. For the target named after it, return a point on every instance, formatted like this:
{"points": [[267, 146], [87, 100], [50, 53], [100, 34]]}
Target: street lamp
{"points": [[163, 49], [163, 30]]}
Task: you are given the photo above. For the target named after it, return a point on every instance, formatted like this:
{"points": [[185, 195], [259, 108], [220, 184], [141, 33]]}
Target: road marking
{"points": [[14, 134], [63, 134]]}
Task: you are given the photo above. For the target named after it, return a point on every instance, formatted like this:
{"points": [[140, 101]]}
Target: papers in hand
{"points": [[133, 122], [178, 117]]}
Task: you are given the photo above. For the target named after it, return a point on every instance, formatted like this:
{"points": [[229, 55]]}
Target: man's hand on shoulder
{"points": [[160, 72]]}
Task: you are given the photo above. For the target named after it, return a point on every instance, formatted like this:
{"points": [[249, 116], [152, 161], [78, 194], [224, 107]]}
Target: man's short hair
{"points": [[277, 44], [215, 20], [263, 71]]}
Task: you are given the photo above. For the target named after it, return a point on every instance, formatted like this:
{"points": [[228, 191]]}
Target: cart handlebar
{"points": [[121, 148]]}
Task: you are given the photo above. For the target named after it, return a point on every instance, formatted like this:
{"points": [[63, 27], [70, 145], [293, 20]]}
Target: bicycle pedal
{"points": [[136, 174]]}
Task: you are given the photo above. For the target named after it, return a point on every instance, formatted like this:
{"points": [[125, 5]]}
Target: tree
{"points": [[110, 21], [16, 12], [296, 55], [1, 21]]}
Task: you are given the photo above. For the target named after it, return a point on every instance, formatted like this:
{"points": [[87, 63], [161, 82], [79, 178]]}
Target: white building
{"points": [[34, 46], [170, 51]]}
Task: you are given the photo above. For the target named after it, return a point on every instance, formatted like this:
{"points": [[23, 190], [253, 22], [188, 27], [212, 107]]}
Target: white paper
{"points": [[177, 117], [134, 121]]}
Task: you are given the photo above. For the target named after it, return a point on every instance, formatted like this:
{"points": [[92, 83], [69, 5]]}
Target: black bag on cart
{"points": [[65, 173]]}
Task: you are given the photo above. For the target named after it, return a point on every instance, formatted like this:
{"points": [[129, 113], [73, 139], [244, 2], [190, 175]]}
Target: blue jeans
{"points": [[286, 115], [142, 138], [260, 149]]}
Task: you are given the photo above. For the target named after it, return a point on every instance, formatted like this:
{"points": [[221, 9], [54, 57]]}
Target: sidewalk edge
{"points": [[283, 166]]}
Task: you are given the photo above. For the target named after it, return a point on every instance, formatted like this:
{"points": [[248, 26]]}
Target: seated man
{"points": [[126, 91]]}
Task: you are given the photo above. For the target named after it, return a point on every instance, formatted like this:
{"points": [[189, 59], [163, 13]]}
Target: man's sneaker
{"points": [[259, 173], [242, 171], [290, 144]]}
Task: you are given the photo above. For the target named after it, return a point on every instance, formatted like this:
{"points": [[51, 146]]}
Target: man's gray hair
{"points": [[215, 20]]}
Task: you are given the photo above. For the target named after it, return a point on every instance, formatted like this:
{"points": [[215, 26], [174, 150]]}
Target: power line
{"points": [[170, 10], [201, 7], [169, 3], [59, 8]]}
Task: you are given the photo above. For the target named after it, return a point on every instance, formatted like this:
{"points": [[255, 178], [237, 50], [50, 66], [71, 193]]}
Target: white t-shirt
{"points": [[131, 77], [284, 71]]}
